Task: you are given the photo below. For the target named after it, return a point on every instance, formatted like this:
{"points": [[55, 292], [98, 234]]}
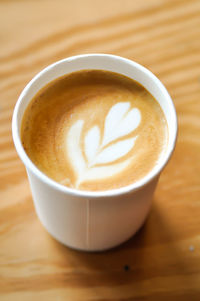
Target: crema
{"points": [[94, 130]]}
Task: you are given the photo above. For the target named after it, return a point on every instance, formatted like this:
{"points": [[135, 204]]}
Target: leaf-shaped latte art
{"points": [[120, 121], [73, 147], [92, 139], [115, 151]]}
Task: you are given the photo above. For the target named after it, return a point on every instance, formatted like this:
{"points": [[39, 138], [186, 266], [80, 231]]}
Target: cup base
{"points": [[95, 250]]}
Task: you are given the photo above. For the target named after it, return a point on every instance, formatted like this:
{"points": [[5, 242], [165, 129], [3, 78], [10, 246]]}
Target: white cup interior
{"points": [[103, 62]]}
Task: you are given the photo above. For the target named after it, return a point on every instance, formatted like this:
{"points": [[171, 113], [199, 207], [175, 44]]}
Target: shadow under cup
{"points": [[84, 220]]}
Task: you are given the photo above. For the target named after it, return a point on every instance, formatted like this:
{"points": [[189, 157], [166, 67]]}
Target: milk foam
{"points": [[94, 130], [102, 158]]}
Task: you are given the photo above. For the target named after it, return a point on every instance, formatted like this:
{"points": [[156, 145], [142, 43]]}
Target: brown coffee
{"points": [[94, 130]]}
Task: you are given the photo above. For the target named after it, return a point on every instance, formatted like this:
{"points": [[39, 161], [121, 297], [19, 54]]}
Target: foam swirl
{"points": [[104, 156]]}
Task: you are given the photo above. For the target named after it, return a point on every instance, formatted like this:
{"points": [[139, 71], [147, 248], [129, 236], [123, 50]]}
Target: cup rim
{"points": [[83, 193]]}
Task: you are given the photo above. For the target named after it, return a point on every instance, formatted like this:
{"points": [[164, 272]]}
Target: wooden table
{"points": [[162, 262]]}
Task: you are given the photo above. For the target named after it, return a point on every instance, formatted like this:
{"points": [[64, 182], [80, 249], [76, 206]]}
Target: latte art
{"points": [[118, 123], [94, 130]]}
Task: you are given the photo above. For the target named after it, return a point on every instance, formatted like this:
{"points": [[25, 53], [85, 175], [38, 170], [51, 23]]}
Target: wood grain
{"points": [[163, 259]]}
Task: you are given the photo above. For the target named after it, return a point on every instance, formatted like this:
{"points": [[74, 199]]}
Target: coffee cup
{"points": [[93, 220]]}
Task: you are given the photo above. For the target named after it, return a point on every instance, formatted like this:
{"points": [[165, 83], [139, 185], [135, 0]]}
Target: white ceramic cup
{"points": [[84, 220]]}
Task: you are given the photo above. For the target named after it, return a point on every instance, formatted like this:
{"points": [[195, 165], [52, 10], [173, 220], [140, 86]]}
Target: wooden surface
{"points": [[163, 259]]}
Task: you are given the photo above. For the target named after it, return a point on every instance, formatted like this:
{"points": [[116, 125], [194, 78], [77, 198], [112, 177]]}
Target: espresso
{"points": [[94, 130]]}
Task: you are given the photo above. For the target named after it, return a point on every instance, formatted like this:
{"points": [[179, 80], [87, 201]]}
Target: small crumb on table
{"points": [[126, 267]]}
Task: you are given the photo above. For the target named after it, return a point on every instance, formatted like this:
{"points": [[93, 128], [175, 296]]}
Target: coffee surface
{"points": [[94, 130]]}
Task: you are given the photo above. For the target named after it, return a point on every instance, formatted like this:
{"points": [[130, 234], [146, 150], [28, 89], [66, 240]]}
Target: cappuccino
{"points": [[94, 130]]}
